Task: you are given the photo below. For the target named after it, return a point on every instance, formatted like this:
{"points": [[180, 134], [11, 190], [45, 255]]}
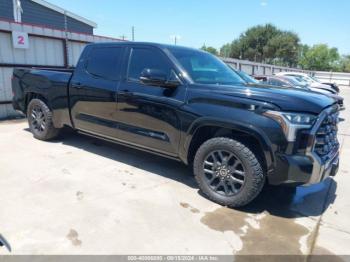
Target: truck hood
{"points": [[287, 99], [322, 87]]}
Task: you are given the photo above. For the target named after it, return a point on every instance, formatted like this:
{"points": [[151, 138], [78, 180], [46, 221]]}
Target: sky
{"points": [[216, 22]]}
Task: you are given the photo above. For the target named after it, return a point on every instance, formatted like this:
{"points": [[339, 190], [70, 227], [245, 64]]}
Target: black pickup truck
{"points": [[187, 105]]}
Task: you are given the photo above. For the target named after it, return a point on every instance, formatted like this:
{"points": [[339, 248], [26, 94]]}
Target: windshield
{"points": [[247, 77], [204, 68], [303, 79], [295, 81], [308, 79], [315, 79]]}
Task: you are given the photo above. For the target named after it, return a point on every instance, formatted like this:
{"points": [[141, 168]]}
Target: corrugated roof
{"points": [[63, 11]]}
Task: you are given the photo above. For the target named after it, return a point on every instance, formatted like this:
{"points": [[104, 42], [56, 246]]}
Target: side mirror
{"points": [[156, 77]]}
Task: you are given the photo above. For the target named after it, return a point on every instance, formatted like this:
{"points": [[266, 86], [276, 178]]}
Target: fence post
{"points": [[331, 77]]}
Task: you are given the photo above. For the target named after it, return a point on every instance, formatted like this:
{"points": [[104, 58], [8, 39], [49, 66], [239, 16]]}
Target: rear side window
{"points": [[104, 62], [142, 58], [275, 82]]}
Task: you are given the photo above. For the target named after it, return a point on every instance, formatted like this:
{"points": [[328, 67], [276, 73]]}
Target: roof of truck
{"points": [[129, 43]]}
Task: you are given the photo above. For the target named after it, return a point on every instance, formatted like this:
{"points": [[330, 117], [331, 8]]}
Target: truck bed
{"points": [[51, 84]]}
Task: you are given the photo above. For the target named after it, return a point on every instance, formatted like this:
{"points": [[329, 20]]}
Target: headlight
{"points": [[291, 122], [302, 119]]}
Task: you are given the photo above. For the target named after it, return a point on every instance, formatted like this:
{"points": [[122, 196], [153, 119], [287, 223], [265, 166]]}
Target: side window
{"points": [[104, 62], [275, 82], [142, 58], [270, 82]]}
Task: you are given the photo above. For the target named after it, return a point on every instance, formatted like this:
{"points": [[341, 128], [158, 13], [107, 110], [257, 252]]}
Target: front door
{"points": [[148, 115]]}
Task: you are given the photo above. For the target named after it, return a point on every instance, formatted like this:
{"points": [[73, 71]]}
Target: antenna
{"points": [[133, 33]]}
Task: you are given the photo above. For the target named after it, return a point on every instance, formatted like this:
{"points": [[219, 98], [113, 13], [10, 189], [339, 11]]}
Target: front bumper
{"points": [[303, 170], [311, 167]]}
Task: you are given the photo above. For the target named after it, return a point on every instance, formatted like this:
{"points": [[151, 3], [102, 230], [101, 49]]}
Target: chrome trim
{"points": [[289, 129], [319, 167], [293, 130]]}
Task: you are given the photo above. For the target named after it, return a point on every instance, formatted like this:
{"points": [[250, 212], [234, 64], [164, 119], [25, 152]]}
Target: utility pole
{"points": [[123, 37], [175, 38], [133, 33], [66, 44]]}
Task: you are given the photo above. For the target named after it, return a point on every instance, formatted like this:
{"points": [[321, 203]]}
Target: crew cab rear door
{"points": [[148, 115], [93, 90]]}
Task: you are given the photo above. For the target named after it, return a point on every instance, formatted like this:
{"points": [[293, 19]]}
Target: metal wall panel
{"points": [[5, 83], [74, 51], [42, 51], [268, 71], [7, 111], [341, 79], [6, 9], [259, 70], [247, 68]]}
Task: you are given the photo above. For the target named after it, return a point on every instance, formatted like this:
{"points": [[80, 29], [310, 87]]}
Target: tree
{"points": [[283, 49], [225, 50], [265, 43], [210, 49], [344, 64], [320, 57]]}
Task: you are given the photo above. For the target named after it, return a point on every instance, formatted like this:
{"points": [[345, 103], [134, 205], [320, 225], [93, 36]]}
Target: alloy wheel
{"points": [[38, 120], [224, 172]]}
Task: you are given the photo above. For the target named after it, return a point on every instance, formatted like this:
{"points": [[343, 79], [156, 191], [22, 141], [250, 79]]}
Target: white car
{"points": [[311, 82]]}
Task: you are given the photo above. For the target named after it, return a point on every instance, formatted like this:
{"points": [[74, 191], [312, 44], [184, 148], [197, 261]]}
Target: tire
{"points": [[236, 175], [40, 121]]}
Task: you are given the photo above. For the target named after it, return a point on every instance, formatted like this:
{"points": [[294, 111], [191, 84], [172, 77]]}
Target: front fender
{"points": [[252, 130]]}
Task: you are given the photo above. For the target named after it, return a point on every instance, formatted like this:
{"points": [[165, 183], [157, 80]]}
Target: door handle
{"points": [[77, 85], [127, 93]]}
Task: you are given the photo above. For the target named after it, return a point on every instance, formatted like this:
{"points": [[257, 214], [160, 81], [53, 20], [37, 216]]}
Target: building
{"points": [[40, 12], [36, 33]]}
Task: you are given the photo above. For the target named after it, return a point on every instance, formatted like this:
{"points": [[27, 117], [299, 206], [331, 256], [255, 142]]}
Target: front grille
{"points": [[326, 135]]}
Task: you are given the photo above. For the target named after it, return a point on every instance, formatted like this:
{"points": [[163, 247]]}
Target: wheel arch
{"points": [[206, 129], [29, 96]]}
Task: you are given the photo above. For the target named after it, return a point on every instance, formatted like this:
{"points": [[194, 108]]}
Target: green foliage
{"points": [[225, 50], [265, 43], [268, 44], [210, 49], [320, 57], [344, 64], [283, 49]]}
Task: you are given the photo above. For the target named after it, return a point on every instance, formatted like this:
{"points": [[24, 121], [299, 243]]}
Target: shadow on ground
{"points": [[276, 200], [149, 162], [288, 202]]}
